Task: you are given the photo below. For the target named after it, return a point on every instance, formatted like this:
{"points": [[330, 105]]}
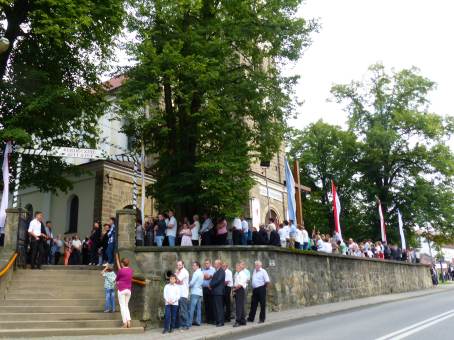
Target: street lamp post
{"points": [[4, 44]]}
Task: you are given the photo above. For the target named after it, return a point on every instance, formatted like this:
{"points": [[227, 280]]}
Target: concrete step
{"points": [[56, 295], [51, 309], [51, 302], [27, 324], [97, 289], [60, 316], [56, 285], [61, 267], [31, 333], [58, 276], [50, 272]]}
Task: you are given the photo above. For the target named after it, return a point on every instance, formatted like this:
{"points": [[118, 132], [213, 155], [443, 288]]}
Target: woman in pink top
{"points": [[124, 286], [221, 232]]}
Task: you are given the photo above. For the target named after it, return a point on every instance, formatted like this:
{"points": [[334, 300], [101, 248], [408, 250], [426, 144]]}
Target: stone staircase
{"points": [[58, 300]]}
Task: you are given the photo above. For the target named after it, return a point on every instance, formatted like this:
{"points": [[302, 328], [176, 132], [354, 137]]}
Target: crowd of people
{"points": [[215, 286], [166, 231], [46, 248]]}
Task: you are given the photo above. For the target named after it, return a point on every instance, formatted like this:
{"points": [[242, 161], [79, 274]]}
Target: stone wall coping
{"points": [[271, 249]]}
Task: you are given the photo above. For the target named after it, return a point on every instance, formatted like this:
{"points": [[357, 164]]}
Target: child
{"points": [[109, 287], [171, 297], [186, 235]]}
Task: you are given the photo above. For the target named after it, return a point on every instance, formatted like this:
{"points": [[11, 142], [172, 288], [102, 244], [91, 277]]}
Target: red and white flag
{"points": [[382, 222], [336, 211]]}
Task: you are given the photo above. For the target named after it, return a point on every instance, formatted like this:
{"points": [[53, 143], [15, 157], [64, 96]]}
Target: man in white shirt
{"points": [[195, 230], [260, 280], [284, 234], [183, 281], [305, 238], [76, 248], [207, 225], [299, 238], [239, 289], [171, 231], [36, 242], [237, 231], [227, 292], [245, 231]]}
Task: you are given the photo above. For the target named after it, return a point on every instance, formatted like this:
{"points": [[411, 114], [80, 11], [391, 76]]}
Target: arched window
{"points": [[73, 214]]}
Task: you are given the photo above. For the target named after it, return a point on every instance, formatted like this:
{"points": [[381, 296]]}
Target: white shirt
{"points": [[228, 278], [237, 224], [299, 236], [245, 226], [305, 236], [171, 293], [241, 279], [284, 233], [195, 231], [172, 231], [260, 278], [76, 244], [35, 227], [327, 247], [271, 226], [183, 275]]}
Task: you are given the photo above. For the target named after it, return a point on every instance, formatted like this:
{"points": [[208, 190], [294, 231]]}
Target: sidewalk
{"points": [[274, 319]]}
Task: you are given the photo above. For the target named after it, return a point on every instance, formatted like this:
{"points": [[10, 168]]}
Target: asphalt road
{"points": [[424, 318]]}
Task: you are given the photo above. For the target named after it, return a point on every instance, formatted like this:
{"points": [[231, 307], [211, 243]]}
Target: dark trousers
{"points": [[227, 303], [240, 301], [195, 242], [94, 257], [236, 237], [170, 317], [221, 240], [218, 302], [208, 304], [46, 253], [206, 238], [57, 257], [37, 250], [258, 295]]}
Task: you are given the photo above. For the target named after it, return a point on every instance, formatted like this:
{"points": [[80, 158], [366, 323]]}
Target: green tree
{"points": [[212, 70], [325, 153], [50, 74], [404, 157]]}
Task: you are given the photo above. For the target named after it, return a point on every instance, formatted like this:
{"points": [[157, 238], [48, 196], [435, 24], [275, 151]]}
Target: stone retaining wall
{"points": [[298, 279]]}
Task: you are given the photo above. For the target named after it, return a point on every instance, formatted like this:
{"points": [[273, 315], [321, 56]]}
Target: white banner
{"points": [[65, 152], [401, 230], [5, 195]]}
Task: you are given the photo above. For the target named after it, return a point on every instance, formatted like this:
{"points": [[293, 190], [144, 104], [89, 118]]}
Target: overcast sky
{"points": [[358, 33]]}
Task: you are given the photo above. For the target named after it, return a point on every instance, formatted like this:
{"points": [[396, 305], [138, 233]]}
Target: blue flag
{"points": [[291, 206]]}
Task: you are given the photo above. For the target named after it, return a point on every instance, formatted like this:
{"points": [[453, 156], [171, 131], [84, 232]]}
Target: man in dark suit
{"points": [[217, 287]]}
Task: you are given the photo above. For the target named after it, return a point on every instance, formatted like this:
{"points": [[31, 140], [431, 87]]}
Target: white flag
{"points": [[5, 196], [401, 230]]}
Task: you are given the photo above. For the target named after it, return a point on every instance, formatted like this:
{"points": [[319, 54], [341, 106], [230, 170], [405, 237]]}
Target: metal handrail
{"points": [[9, 265]]}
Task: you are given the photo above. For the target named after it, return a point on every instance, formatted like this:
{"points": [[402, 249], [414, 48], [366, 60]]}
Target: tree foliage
{"points": [[49, 77], [210, 73], [402, 154]]}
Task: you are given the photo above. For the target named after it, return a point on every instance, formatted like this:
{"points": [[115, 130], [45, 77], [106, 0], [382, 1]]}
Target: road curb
{"points": [[254, 329]]}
